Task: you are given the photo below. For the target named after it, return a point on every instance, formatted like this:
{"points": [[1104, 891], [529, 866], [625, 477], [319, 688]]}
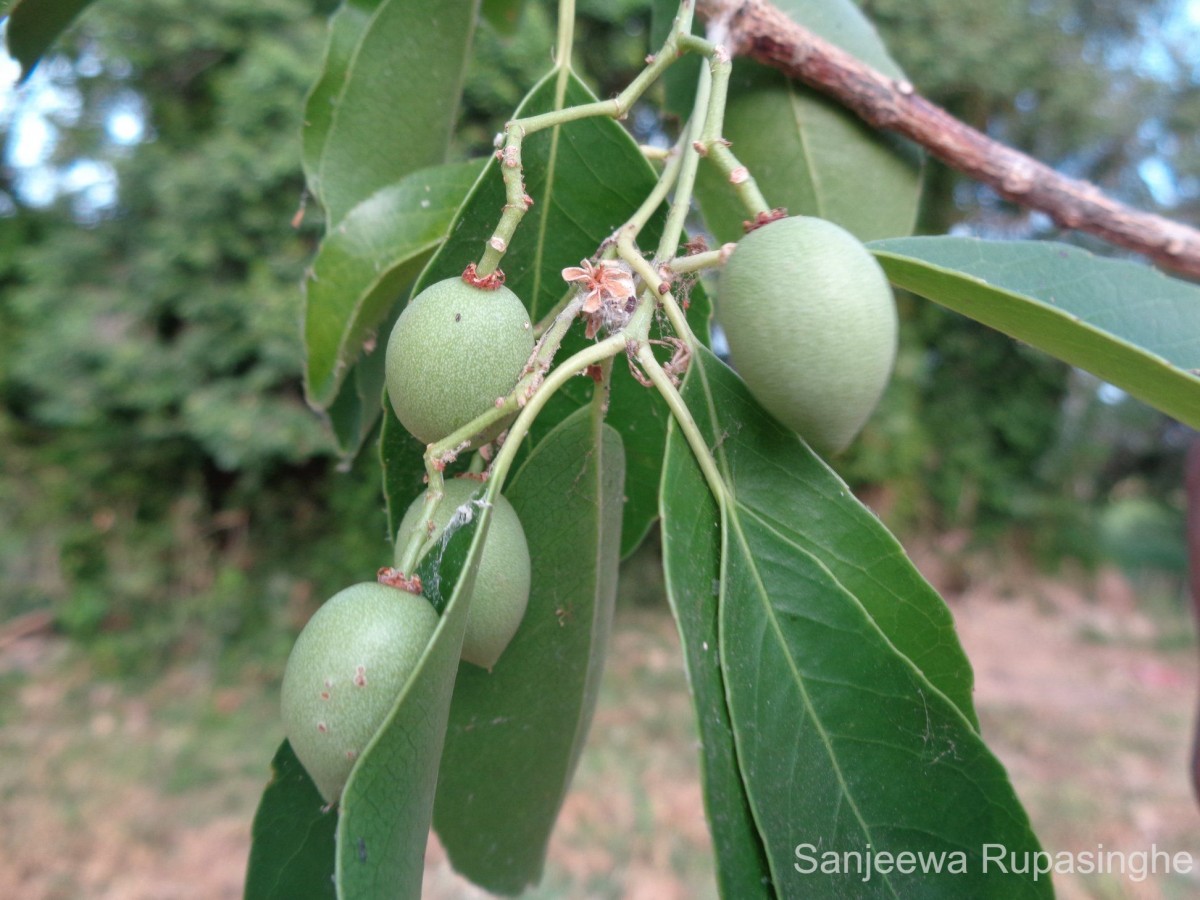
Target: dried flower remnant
{"points": [[608, 292]]}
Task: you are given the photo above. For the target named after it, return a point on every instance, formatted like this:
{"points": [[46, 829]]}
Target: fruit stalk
{"points": [[569, 368], [517, 202], [702, 110], [757, 29], [686, 424], [716, 148]]}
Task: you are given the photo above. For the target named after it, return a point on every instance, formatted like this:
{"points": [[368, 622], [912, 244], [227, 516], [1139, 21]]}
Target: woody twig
{"points": [[755, 28]]}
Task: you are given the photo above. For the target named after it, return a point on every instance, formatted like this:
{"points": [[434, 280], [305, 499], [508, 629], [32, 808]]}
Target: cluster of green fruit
{"points": [[811, 326], [453, 352]]}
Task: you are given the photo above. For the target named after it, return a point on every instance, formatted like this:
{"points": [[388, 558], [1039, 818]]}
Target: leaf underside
{"points": [[292, 849], [516, 732], [1122, 321], [691, 549], [387, 98], [387, 805], [34, 25]]}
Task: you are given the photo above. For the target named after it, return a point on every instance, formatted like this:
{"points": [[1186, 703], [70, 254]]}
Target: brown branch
{"points": [[757, 29]]}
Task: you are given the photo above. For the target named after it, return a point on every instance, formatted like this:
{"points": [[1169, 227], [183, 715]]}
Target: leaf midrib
{"points": [[810, 165], [729, 503], [582, 721]]}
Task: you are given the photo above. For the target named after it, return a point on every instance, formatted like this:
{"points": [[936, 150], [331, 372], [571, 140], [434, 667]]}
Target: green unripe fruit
{"points": [[345, 672], [501, 591], [811, 324], [454, 350]]}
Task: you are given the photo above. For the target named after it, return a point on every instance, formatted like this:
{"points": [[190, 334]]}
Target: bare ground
{"points": [[119, 791]]}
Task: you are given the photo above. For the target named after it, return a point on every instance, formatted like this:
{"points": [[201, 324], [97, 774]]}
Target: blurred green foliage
{"points": [[978, 431], [165, 490], [161, 465]]}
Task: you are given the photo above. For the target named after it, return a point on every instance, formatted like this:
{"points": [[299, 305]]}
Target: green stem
{"points": [[603, 390], [569, 368], [564, 43], [701, 113], [515, 132], [655, 294], [680, 173], [547, 346], [683, 418], [415, 548], [547, 320], [710, 259], [716, 148], [666, 180]]}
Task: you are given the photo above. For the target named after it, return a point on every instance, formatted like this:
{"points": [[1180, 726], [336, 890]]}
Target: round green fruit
{"points": [[454, 350], [811, 325], [345, 672], [501, 591]]}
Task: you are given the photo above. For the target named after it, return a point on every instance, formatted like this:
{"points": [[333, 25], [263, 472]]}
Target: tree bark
{"points": [[755, 28]]}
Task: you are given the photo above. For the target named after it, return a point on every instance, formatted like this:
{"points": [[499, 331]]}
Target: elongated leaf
{"points": [[806, 152], [516, 732], [359, 404], [388, 98], [387, 805], [793, 488], [403, 462], [346, 27], [586, 178], [691, 548], [365, 264], [844, 743], [292, 853], [1125, 322], [33, 25]]}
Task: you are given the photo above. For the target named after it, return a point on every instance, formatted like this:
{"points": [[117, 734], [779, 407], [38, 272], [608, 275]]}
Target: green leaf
{"points": [[33, 25], [691, 550], [586, 178], [346, 28], [801, 494], [503, 15], [1123, 321], [292, 849], [387, 805], [844, 743], [402, 458], [679, 81], [365, 264], [807, 152], [387, 99], [382, 824], [358, 406], [516, 732]]}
